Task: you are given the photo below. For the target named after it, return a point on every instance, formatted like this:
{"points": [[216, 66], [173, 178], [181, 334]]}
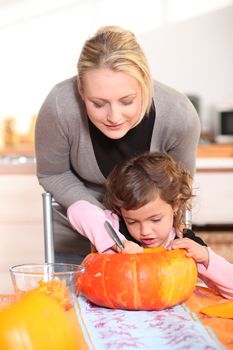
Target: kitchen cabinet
{"points": [[213, 204], [213, 185], [21, 224]]}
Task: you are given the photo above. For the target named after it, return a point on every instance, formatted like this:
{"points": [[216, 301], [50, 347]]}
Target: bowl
{"points": [[56, 279]]}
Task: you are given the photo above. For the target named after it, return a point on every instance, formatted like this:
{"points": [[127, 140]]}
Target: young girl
{"points": [[151, 192]]}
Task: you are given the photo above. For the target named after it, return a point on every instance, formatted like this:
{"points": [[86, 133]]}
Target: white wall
{"points": [[40, 46], [196, 57]]}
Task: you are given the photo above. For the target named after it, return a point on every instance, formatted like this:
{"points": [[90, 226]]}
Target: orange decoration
{"points": [[223, 310], [153, 281], [36, 322]]}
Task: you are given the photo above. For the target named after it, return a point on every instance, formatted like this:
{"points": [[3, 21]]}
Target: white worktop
{"points": [[209, 163]]}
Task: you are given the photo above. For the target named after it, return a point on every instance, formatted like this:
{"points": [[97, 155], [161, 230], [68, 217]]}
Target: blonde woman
{"points": [[109, 112]]}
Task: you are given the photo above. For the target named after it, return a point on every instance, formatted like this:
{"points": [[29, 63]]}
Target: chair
{"points": [[188, 219], [50, 205]]}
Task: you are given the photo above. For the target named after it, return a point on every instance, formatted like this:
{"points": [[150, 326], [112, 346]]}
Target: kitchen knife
{"points": [[112, 232]]}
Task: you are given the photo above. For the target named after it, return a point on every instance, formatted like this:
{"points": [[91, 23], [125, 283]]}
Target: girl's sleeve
{"points": [[218, 275], [88, 220]]}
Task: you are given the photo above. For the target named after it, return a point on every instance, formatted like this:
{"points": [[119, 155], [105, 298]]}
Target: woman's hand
{"points": [[130, 248], [194, 250], [89, 220]]}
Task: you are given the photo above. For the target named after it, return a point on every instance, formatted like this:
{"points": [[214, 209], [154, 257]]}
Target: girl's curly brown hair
{"points": [[136, 181]]}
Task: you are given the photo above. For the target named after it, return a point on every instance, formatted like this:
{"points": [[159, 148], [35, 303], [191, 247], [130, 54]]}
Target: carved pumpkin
{"points": [[152, 281], [37, 322]]}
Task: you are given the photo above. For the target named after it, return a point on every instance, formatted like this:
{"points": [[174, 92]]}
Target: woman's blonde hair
{"points": [[117, 49], [136, 181]]}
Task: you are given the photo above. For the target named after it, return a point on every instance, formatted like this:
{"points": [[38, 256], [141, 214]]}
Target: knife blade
{"points": [[112, 232]]}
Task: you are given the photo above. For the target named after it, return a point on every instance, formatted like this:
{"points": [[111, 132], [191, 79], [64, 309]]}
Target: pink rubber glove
{"points": [[88, 220]]}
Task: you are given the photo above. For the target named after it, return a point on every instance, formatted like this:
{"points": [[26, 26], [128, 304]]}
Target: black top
{"points": [[190, 234], [109, 152]]}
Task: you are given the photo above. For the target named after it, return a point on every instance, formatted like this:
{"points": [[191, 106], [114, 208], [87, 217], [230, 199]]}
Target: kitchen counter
{"points": [[214, 164], [29, 167], [210, 157], [17, 165], [18, 159], [213, 150], [214, 158]]}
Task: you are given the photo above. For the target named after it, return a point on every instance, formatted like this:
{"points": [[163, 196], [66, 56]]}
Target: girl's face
{"points": [[150, 224], [113, 101]]}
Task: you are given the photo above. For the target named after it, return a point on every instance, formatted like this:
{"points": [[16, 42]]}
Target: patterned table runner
{"points": [[180, 327]]}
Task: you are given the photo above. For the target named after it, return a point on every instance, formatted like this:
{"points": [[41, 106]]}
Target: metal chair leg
{"points": [[48, 228], [188, 219]]}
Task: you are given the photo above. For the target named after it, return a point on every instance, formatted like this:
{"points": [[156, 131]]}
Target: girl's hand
{"points": [[194, 250], [130, 248]]}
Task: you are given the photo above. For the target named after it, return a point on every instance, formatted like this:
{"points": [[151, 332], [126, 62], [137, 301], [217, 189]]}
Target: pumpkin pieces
{"points": [[56, 289], [145, 281], [223, 310], [36, 322]]}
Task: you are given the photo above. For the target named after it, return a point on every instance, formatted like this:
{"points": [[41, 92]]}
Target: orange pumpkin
{"points": [[152, 281], [36, 322]]}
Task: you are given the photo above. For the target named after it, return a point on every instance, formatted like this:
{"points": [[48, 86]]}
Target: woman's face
{"points": [[151, 224], [113, 101]]}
